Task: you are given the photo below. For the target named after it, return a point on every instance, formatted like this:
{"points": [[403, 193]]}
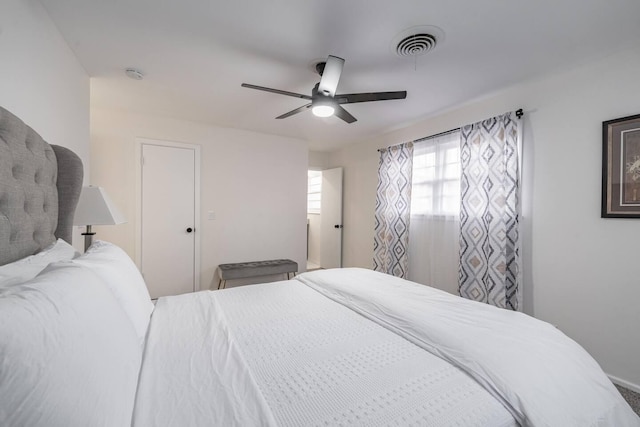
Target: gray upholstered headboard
{"points": [[39, 189]]}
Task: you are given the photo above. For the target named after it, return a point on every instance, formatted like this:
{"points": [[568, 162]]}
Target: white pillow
{"points": [[123, 278], [27, 268], [68, 354]]}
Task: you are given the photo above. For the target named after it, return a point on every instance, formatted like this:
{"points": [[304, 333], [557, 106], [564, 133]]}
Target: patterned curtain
{"points": [[393, 206], [489, 245]]}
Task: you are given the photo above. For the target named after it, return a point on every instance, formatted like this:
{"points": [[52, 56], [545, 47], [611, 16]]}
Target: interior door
{"points": [[168, 219], [331, 219]]}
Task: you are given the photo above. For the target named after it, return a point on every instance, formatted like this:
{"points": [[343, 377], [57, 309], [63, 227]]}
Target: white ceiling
{"points": [[196, 53]]}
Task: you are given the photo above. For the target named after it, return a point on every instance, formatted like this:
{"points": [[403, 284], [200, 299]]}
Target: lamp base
{"points": [[88, 237]]}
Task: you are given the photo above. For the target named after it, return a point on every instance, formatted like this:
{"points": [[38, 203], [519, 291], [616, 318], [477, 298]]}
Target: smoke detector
{"points": [[134, 74], [416, 41]]}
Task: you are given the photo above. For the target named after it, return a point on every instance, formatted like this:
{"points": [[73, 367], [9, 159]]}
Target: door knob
{"points": [[337, 226], [189, 230]]}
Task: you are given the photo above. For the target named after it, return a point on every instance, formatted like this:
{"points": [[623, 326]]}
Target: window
{"points": [[314, 191], [436, 176]]}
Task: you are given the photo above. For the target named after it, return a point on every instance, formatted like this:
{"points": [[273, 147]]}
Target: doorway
{"points": [[169, 216], [324, 219]]}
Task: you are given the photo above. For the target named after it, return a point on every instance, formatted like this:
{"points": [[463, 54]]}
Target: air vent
{"points": [[415, 41], [416, 44]]}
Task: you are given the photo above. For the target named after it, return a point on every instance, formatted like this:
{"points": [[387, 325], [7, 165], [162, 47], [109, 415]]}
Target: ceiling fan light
{"points": [[323, 110]]}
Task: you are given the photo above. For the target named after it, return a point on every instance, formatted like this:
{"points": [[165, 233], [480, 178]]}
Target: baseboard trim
{"points": [[624, 383]]}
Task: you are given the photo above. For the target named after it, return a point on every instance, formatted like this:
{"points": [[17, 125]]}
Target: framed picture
{"points": [[621, 168]]}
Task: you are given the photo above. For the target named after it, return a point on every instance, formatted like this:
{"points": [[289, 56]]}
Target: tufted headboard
{"points": [[40, 186]]}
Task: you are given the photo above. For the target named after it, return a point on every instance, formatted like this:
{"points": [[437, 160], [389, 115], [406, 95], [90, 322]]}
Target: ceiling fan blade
{"points": [[278, 91], [331, 76], [344, 114], [352, 98], [296, 111]]}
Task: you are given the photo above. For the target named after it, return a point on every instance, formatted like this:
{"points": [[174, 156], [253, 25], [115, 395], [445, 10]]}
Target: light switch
{"points": [[211, 215]]}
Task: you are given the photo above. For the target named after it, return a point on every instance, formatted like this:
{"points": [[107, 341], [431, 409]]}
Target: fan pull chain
{"points": [[415, 56]]}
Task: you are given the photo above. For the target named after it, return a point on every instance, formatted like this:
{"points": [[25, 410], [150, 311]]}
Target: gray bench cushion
{"points": [[241, 270]]}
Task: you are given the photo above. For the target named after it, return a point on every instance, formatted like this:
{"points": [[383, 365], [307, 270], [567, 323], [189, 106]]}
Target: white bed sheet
{"points": [[283, 354]]}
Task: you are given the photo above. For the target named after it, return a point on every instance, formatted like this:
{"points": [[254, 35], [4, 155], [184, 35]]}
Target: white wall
{"points": [[41, 81], [581, 271], [318, 160], [255, 183]]}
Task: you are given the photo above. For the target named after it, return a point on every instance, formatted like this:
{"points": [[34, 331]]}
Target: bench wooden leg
{"points": [[219, 283]]}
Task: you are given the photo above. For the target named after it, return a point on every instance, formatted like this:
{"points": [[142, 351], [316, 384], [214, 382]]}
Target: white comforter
{"points": [[541, 376], [283, 354], [355, 347]]}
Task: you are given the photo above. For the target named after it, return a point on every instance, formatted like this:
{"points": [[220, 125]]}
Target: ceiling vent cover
{"points": [[416, 44]]}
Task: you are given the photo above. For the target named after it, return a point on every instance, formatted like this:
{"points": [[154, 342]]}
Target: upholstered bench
{"points": [[243, 270]]}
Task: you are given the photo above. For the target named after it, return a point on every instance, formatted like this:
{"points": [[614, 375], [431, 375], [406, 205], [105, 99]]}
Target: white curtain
{"points": [[434, 228]]}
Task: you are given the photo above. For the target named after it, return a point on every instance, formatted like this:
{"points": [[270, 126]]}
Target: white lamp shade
{"points": [[96, 208]]}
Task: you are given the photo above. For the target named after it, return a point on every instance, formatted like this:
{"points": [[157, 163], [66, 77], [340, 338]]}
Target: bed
{"points": [[81, 344]]}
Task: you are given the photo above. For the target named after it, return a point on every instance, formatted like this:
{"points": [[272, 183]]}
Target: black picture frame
{"points": [[621, 168]]}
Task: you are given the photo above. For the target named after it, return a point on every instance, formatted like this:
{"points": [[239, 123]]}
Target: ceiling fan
{"points": [[324, 100]]}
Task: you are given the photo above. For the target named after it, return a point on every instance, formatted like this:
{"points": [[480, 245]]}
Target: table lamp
{"points": [[95, 208]]}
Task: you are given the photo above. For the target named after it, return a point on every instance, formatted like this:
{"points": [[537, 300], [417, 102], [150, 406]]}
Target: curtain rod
{"points": [[519, 114]]}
